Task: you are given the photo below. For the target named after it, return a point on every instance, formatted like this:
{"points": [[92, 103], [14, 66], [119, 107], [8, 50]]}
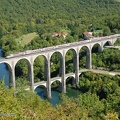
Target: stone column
{"points": [[12, 76], [63, 73], [114, 40], [100, 48], [60, 88], [77, 68], [60, 69], [48, 77], [88, 59], [31, 76], [45, 69]]}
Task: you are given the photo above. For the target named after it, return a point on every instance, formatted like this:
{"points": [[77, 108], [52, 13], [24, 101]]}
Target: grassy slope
{"points": [[25, 39]]}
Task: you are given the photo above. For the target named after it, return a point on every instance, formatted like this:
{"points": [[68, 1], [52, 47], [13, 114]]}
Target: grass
{"points": [[25, 39], [117, 0]]}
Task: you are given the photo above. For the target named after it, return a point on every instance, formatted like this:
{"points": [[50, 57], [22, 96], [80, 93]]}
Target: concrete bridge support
{"points": [[100, 48], [31, 76], [60, 69], [63, 74], [47, 65], [63, 49], [89, 59], [76, 68], [12, 77]]}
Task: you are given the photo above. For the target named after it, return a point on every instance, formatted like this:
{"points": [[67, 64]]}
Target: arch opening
{"points": [[56, 64], [70, 61], [108, 43], [56, 86], [96, 60], [39, 68], [70, 82], [96, 48], [41, 91], [83, 57], [22, 73]]}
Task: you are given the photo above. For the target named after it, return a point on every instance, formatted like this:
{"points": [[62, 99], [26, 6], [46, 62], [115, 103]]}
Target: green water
{"points": [[56, 95]]}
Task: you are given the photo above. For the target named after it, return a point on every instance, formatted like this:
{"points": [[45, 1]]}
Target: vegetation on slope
{"points": [[100, 100], [45, 17]]}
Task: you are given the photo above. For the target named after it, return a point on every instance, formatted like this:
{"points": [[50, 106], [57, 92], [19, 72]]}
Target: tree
{"points": [[106, 31]]}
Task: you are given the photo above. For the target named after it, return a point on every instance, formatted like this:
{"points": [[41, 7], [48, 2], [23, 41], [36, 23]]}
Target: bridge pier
{"points": [[100, 48], [76, 63], [89, 59], [12, 78], [48, 77], [63, 74], [31, 76], [47, 52]]}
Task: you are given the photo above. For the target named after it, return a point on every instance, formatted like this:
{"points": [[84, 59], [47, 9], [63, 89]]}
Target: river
{"points": [[55, 94], [4, 74]]}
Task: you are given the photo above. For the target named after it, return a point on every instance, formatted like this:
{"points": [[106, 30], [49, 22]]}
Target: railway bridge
{"points": [[62, 50]]}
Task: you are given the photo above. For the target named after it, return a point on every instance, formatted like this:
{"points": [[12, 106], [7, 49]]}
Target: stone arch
{"points": [[70, 60], [71, 75], [56, 85], [40, 65], [56, 64], [41, 91], [44, 55], [97, 47], [55, 80], [22, 58], [107, 43], [24, 71], [73, 49], [70, 80], [84, 57]]}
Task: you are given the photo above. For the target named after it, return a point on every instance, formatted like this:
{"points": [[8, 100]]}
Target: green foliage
{"points": [[109, 58], [106, 31], [117, 43], [90, 105], [45, 17]]}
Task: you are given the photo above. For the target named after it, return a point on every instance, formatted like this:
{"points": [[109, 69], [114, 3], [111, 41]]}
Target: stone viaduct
{"points": [[62, 50]]}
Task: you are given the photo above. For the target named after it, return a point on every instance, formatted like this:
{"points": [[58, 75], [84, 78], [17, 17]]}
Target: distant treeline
{"points": [[44, 17]]}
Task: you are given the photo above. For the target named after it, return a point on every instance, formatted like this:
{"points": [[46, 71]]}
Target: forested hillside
{"points": [[44, 17], [100, 98]]}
